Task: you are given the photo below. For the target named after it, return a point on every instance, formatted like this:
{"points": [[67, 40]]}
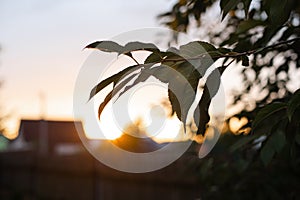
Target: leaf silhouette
{"points": [[201, 55], [110, 46], [112, 79], [104, 103], [211, 88], [138, 46], [185, 90], [182, 87], [102, 85], [141, 77], [293, 104], [196, 48], [106, 46], [245, 61], [189, 94], [162, 73], [122, 84], [175, 105], [115, 90], [121, 81], [228, 5], [268, 111], [180, 68], [155, 57]]}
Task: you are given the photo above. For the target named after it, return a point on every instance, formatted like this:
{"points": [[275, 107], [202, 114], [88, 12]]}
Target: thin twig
{"points": [[134, 60]]}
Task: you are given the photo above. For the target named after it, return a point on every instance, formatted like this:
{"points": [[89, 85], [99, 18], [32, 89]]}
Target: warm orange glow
{"points": [[110, 135], [11, 127], [235, 124], [170, 131], [224, 127], [142, 104], [198, 138], [11, 135], [107, 125]]}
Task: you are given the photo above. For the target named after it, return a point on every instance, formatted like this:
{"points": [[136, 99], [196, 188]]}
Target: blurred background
{"points": [[42, 155]]}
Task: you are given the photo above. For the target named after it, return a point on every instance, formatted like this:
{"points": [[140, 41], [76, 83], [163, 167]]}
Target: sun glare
{"points": [[142, 101], [157, 124]]}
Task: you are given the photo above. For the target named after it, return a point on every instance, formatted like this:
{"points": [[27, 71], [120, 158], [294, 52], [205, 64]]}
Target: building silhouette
{"points": [[48, 161]]}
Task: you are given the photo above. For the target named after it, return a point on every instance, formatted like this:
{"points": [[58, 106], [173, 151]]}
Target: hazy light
{"points": [[235, 124]]}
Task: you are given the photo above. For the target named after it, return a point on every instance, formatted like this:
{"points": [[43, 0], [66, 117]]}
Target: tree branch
{"points": [[233, 54]]}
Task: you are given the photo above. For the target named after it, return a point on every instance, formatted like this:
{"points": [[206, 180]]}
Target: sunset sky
{"points": [[42, 48]]}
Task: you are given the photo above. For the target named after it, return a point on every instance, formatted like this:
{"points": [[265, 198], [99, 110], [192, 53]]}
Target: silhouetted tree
{"points": [[264, 36]]}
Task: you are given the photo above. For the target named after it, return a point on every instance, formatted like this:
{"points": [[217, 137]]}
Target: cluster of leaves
{"points": [[240, 174], [180, 68], [183, 12], [276, 126], [251, 25], [263, 34], [265, 163], [267, 23]]}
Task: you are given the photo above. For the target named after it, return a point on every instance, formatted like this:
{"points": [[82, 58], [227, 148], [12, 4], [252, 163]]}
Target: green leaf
{"points": [[189, 88], [163, 73], [196, 48], [172, 59], [182, 86], [122, 84], [274, 142], [228, 5], [266, 112], [110, 46], [173, 50], [138, 46], [246, 25], [119, 84], [113, 79], [104, 103], [189, 95], [102, 85], [201, 55], [211, 88], [245, 60], [293, 104], [154, 58], [277, 137], [278, 11], [223, 50], [175, 105], [242, 142], [106, 46], [246, 6], [143, 76], [278, 140], [267, 153], [185, 95]]}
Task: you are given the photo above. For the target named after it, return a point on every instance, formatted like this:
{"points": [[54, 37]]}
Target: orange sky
{"points": [[42, 44]]}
